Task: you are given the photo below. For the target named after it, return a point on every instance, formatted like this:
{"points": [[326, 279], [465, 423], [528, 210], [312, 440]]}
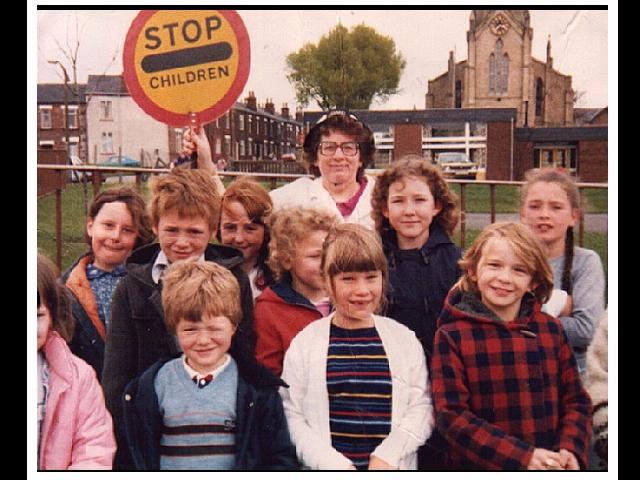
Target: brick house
{"points": [[51, 118], [249, 132]]}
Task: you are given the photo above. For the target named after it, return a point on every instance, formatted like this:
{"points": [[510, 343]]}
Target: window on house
{"points": [[45, 118], [241, 122], [218, 147], [227, 120], [72, 118], [458, 94], [242, 148], [107, 142], [106, 112]]}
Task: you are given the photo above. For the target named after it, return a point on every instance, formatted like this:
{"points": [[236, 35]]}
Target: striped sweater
{"points": [[198, 431], [359, 387]]}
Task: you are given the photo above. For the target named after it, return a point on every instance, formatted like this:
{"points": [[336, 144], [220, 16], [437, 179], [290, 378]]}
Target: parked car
{"points": [[456, 165], [118, 161], [78, 175]]}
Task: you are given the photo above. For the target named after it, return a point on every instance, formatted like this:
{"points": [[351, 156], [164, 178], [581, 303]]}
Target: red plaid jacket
{"points": [[502, 389]]}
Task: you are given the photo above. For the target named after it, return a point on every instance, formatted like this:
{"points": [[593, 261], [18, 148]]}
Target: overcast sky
{"points": [[424, 37]]}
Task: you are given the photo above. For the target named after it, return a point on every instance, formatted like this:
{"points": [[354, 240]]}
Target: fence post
{"points": [[463, 213], [493, 202], [59, 221]]}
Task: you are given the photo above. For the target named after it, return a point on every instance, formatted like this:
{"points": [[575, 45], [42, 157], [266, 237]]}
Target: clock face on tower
{"points": [[499, 25]]}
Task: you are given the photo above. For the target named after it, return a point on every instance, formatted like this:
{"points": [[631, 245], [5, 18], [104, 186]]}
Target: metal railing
{"points": [[97, 175]]}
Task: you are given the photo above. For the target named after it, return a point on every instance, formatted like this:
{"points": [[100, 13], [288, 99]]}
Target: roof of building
{"points": [[584, 116], [561, 134], [381, 120], [241, 107], [54, 93], [106, 85]]}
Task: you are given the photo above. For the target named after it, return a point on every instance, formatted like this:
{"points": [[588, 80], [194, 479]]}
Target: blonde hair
{"points": [[353, 248], [415, 166], [192, 289], [526, 247], [189, 193], [289, 226]]}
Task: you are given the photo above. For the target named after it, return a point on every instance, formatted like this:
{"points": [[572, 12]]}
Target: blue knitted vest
{"points": [[198, 423]]}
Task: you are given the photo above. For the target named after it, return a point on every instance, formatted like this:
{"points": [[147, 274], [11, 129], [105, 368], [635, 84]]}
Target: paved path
{"points": [[477, 221]]}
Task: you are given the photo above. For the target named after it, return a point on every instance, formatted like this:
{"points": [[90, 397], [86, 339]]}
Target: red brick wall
{"points": [[499, 151], [593, 160], [49, 180], [407, 139], [522, 159]]}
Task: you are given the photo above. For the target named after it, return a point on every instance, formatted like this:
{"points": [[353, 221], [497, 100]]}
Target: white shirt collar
{"points": [[214, 373], [161, 264]]}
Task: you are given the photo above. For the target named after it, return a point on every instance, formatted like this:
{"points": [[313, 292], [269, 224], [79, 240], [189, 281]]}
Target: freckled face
{"points": [[113, 235]]}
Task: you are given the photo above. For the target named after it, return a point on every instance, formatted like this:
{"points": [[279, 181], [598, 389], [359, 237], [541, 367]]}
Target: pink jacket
{"points": [[77, 431]]}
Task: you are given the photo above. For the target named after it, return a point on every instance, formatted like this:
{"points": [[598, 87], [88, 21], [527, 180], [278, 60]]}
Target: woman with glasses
{"points": [[338, 149]]}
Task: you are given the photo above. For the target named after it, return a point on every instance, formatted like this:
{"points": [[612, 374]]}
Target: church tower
{"points": [[500, 72]]}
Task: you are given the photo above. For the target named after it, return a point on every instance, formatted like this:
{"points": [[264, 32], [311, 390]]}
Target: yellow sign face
{"points": [[181, 62]]}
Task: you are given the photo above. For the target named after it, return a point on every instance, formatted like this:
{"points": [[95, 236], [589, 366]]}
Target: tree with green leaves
{"points": [[346, 69]]}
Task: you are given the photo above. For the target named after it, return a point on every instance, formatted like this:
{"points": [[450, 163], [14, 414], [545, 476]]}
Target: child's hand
{"points": [[194, 139], [377, 464], [568, 308], [544, 459], [568, 460]]}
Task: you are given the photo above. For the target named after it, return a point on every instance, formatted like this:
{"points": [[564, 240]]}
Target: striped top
{"points": [[359, 386], [198, 431]]}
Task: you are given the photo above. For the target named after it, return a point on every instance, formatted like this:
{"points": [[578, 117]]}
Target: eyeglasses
{"points": [[349, 149]]}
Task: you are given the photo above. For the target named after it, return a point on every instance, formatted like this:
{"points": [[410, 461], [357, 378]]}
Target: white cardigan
{"points": [[306, 401], [308, 192]]}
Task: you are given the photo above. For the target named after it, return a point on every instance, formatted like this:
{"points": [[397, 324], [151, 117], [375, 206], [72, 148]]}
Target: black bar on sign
{"points": [[187, 57]]}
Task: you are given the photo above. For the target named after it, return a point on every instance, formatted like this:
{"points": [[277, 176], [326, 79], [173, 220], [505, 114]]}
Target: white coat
{"points": [[309, 192], [306, 401]]}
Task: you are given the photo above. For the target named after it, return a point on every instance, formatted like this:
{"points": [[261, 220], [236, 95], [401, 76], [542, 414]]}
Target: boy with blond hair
{"points": [[299, 296], [184, 209], [202, 410]]}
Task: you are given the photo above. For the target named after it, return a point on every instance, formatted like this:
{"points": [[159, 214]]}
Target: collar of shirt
{"points": [[197, 376], [161, 264], [94, 272]]}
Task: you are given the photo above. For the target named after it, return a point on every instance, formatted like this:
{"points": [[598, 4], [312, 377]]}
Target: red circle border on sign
{"points": [[178, 119]]}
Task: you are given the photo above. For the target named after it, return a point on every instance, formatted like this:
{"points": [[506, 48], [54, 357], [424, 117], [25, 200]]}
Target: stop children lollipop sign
{"points": [[186, 66]]}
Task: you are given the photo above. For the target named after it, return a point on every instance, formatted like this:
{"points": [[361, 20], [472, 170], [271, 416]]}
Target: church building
{"points": [[500, 72]]}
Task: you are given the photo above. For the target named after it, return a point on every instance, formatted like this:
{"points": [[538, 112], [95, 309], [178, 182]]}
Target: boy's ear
{"points": [[154, 228]]}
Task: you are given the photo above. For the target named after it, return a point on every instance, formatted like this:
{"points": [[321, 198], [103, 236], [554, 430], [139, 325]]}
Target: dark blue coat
{"points": [[262, 435], [419, 280]]}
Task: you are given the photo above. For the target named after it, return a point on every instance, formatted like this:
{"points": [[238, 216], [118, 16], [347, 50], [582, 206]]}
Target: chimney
{"points": [[549, 58], [284, 111], [250, 101], [269, 106], [299, 115]]}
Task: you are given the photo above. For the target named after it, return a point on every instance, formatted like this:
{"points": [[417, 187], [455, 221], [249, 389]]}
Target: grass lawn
{"points": [[478, 199]]}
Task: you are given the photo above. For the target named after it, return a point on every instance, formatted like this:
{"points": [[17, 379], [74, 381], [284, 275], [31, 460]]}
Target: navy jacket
{"points": [[137, 336], [262, 435], [419, 282]]}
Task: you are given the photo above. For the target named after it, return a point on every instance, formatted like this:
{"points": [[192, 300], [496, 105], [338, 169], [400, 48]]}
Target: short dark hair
{"points": [[136, 206], [344, 123]]}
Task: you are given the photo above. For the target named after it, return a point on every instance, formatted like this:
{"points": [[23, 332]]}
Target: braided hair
{"points": [[568, 184]]}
